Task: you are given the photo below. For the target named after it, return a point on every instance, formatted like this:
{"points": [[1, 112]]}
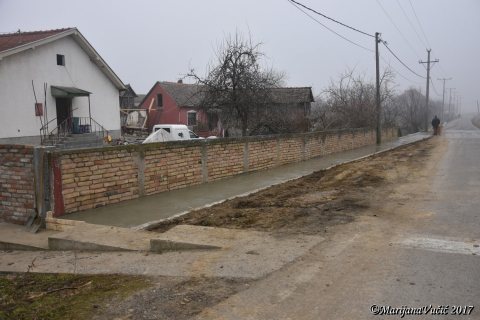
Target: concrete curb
{"points": [[148, 224]]}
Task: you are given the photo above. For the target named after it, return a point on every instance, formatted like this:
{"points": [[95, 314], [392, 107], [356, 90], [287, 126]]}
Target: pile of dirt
{"points": [[313, 203]]}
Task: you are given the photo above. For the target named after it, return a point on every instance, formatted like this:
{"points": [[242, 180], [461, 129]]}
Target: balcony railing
{"points": [[75, 125]]}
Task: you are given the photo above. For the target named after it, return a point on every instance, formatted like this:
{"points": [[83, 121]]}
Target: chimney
{"points": [[180, 81]]}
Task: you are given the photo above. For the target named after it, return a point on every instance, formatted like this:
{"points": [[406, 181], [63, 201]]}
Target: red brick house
{"points": [[175, 103]]}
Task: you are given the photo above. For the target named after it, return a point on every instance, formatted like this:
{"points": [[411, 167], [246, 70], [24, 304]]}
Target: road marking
{"points": [[449, 245]]}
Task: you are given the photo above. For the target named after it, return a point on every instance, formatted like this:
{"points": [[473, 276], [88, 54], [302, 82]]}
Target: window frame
{"points": [[159, 100], [188, 117], [61, 59]]}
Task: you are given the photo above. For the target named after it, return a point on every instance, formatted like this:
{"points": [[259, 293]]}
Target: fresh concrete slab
{"points": [[15, 237], [94, 237]]}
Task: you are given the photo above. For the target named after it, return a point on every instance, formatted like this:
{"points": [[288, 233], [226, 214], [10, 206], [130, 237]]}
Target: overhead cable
{"points": [[290, 1], [388, 64], [401, 60], [399, 30], [412, 26], [419, 24], [331, 19], [434, 88]]}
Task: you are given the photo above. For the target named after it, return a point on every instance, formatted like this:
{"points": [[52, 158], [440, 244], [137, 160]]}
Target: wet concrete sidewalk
{"points": [[142, 211]]}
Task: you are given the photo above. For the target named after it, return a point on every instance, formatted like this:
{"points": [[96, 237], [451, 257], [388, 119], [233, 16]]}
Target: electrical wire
{"points": [[399, 31], [412, 25], [419, 23], [298, 3], [434, 87], [290, 1], [401, 60], [388, 64]]}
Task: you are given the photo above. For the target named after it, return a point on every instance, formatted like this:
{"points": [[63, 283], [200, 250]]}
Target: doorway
{"points": [[64, 109]]}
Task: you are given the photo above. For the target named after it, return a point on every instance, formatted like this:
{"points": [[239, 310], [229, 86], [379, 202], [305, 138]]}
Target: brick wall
{"points": [[85, 179], [262, 154], [17, 183], [224, 159]]}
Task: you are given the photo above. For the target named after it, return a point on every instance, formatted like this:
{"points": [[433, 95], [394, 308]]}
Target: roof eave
{"points": [[82, 42], [32, 45]]}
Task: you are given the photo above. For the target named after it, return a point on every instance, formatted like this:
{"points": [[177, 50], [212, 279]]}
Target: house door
{"points": [[64, 109]]}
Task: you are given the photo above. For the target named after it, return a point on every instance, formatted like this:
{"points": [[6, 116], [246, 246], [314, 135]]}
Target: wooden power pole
{"points": [[379, 109], [428, 87], [443, 103]]}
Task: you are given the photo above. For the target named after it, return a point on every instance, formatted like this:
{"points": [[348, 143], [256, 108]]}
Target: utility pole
{"points": [[379, 108], [454, 103], [478, 108], [428, 86], [443, 103], [450, 105]]}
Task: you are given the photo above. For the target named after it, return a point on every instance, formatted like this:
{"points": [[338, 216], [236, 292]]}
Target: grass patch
{"points": [[16, 290]]}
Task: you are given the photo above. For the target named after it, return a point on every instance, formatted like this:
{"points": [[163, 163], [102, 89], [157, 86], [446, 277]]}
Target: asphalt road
{"points": [[429, 261]]}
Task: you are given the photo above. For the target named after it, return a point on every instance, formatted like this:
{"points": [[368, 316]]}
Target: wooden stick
{"points": [[55, 290]]}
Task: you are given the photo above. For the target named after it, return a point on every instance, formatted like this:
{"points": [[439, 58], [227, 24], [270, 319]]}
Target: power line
{"points": [[412, 25], [328, 27], [421, 28], [388, 64], [434, 88], [419, 24], [401, 61], [331, 18], [398, 30]]}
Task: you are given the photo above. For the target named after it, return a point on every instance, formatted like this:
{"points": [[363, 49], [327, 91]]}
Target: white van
{"points": [[170, 132]]}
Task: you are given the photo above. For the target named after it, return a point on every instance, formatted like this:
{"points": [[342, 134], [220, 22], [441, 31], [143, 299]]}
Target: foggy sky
{"points": [[149, 41]]}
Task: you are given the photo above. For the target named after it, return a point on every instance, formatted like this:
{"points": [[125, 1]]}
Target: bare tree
{"points": [[350, 102], [412, 109], [236, 84]]}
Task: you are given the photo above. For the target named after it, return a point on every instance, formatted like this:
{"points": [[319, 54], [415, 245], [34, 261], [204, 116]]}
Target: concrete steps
{"points": [[81, 141], [93, 237], [15, 237]]}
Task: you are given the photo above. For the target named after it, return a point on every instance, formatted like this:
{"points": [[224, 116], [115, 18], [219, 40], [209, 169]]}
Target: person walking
{"points": [[435, 124]]}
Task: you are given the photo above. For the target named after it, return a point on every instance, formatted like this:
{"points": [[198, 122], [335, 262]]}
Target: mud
{"points": [[314, 203]]}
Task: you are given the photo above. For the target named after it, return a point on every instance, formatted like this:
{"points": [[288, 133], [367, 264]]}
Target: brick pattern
{"points": [[17, 194], [95, 179], [313, 146], [98, 177], [332, 143], [172, 167], [262, 154], [225, 160], [347, 139], [290, 150], [359, 139]]}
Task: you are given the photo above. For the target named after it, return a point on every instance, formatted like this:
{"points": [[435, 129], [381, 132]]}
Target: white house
{"points": [[79, 84]]}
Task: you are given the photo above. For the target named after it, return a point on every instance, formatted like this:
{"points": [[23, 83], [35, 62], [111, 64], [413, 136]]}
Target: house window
{"points": [[60, 60], [159, 100], [192, 118]]}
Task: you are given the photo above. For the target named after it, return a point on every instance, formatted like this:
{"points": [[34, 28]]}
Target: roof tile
{"points": [[12, 40]]}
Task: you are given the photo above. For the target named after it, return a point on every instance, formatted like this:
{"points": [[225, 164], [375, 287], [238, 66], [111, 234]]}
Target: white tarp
{"points": [[159, 136]]}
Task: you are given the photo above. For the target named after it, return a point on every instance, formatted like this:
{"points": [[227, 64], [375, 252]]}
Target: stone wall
{"points": [[17, 195], [91, 178]]}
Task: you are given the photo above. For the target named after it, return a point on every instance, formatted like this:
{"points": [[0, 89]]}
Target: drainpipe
{"points": [[89, 113]]}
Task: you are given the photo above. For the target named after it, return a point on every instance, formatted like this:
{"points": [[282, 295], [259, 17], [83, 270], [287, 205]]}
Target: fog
{"points": [[146, 41]]}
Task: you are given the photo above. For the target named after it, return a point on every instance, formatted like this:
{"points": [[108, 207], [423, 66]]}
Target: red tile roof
{"points": [[17, 39]]}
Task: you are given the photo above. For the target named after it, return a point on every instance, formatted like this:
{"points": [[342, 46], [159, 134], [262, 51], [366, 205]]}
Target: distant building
{"points": [[176, 103], [80, 84]]}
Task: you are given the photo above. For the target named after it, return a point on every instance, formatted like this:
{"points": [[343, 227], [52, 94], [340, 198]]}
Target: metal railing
{"points": [[74, 125]]}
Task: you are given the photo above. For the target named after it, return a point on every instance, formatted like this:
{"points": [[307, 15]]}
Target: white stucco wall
{"points": [[17, 117]]}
